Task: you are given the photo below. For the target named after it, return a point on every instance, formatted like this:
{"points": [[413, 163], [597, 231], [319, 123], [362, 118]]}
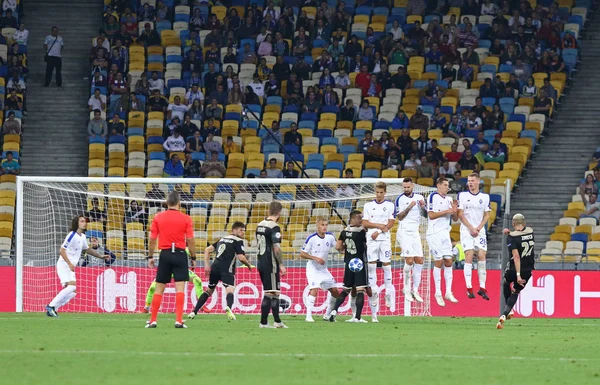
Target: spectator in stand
{"points": [[465, 73], [273, 135], [116, 126], [495, 153], [453, 129], [374, 87], [231, 146], [177, 109], [156, 83], [257, 87], [194, 144], [194, 94], [448, 72], [446, 170], [97, 101], [174, 143], [419, 120], [155, 195], [13, 102], [173, 167], [393, 160], [412, 162], [293, 136], [191, 167], [97, 126], [211, 145], [375, 153], [11, 125], [95, 214], [10, 166], [588, 187], [273, 171], [454, 155], [401, 121], [213, 167], [213, 110], [157, 103], [21, 35], [290, 172], [363, 80], [488, 90], [549, 90], [348, 113], [474, 122], [365, 112], [149, 37], [425, 169], [479, 141], [209, 128], [457, 184], [220, 95], [365, 143], [437, 120], [592, 206], [542, 104], [468, 161], [135, 213], [423, 142]]}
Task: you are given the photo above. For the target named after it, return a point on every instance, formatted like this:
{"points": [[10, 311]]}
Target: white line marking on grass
{"points": [[300, 355]]}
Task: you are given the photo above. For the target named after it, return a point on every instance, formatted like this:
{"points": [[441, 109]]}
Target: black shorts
{"points": [[219, 273], [510, 276], [270, 280], [358, 279], [172, 264]]}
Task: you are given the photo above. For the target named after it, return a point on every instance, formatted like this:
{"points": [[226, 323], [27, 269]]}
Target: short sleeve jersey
{"points": [[227, 248], [318, 247], [74, 244], [268, 234], [355, 243], [379, 213], [523, 242], [436, 204], [413, 218], [474, 207]]}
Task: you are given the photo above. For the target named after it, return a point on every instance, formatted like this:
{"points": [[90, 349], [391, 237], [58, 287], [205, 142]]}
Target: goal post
{"points": [[120, 211]]}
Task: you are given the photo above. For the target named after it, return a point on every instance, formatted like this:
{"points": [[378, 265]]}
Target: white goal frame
{"points": [[21, 180]]}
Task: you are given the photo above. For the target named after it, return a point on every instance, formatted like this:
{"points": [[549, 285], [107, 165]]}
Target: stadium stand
{"points": [[13, 87], [382, 88]]}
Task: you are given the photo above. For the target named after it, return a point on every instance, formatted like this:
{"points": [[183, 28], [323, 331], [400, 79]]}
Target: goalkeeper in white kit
{"points": [[70, 253]]}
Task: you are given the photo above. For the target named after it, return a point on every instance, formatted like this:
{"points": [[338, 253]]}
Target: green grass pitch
{"points": [[117, 349]]}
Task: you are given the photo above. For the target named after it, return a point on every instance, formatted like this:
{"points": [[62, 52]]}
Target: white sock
{"points": [[448, 277], [373, 276], [407, 281], [417, 268], [353, 306], [330, 304], [65, 300], [60, 297], [387, 278], [310, 303], [482, 273], [468, 271], [374, 303], [437, 279]]}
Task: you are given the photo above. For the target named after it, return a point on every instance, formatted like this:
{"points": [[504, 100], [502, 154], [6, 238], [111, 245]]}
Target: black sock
{"points": [[340, 300], [510, 302], [275, 309], [507, 291], [360, 302], [201, 301], [229, 299], [265, 307]]}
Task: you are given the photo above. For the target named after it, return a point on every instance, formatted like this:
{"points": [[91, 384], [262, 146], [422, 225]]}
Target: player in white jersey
{"points": [[70, 253], [474, 212], [316, 249], [378, 220], [410, 207], [441, 210]]}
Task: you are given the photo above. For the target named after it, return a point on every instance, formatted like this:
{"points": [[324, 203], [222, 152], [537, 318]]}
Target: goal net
{"points": [[120, 212]]}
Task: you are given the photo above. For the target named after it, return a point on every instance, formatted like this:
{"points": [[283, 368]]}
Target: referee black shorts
{"points": [[172, 264]]}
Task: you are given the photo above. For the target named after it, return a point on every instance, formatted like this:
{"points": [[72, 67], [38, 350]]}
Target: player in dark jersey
{"points": [[270, 265], [353, 242], [229, 250], [520, 266]]}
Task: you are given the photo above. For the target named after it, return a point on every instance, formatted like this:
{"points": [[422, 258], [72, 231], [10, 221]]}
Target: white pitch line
{"points": [[301, 355]]}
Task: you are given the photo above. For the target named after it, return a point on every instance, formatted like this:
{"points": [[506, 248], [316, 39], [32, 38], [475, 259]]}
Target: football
{"points": [[355, 265]]}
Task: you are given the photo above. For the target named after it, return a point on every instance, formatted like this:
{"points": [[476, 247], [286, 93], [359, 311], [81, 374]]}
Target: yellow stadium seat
{"points": [[565, 229], [389, 173]]}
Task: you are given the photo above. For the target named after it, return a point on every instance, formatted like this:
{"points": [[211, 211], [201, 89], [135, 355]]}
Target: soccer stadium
{"points": [[425, 168]]}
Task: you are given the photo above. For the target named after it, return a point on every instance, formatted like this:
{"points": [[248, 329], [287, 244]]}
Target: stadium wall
{"points": [[558, 294]]}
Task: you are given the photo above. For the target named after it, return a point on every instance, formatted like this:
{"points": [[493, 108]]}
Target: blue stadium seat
{"points": [[157, 156]]}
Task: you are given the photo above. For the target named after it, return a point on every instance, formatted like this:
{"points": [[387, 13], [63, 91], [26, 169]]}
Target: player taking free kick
{"points": [[518, 272], [441, 210], [229, 250], [316, 249], [378, 220], [70, 253], [171, 230], [410, 207], [474, 212]]}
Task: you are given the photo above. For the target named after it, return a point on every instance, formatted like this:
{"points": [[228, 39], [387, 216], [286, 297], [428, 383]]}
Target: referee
{"points": [[171, 229]]}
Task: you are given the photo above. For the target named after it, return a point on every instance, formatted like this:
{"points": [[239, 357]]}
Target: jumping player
{"points": [[521, 265]]}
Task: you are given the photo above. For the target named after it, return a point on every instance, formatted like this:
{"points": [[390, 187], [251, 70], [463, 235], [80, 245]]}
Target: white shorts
{"points": [[410, 243], [470, 242], [379, 251], [440, 245], [64, 273], [320, 279]]}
